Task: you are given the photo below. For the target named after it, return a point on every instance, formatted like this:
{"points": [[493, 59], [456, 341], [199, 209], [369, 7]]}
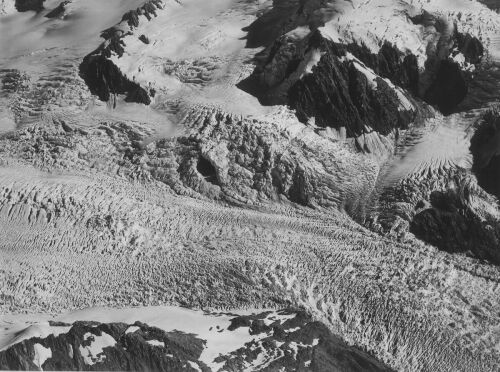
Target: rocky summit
{"points": [[237, 185]]}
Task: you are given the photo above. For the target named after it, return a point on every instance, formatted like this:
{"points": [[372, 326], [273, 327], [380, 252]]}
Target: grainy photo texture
{"points": [[250, 185]]}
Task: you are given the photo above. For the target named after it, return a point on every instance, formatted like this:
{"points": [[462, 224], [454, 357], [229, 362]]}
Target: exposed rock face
{"points": [[59, 11], [402, 69], [26, 5], [321, 79], [449, 87], [92, 346], [287, 339], [485, 148], [348, 85], [101, 75], [297, 344], [450, 60], [104, 79], [453, 224], [338, 93]]}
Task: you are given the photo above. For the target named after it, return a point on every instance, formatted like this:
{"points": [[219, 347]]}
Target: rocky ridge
{"points": [[281, 339], [102, 76]]}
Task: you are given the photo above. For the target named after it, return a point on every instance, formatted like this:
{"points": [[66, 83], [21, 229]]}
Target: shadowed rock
{"points": [[298, 342], [27, 5], [485, 148], [101, 75], [58, 11]]}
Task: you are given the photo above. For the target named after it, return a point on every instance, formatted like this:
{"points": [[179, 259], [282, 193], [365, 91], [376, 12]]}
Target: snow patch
{"points": [[132, 329], [41, 355], [156, 343], [94, 353], [195, 366]]}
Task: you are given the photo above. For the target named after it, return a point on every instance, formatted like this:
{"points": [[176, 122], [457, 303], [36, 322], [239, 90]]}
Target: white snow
{"points": [[277, 316], [204, 37], [93, 354], [156, 343], [373, 22], [194, 365], [171, 318], [360, 66], [312, 60], [41, 355], [132, 329]]}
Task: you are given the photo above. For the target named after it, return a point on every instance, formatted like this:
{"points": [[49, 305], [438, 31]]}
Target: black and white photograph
{"points": [[250, 185]]}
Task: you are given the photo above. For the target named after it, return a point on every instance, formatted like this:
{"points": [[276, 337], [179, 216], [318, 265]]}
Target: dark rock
{"points": [[338, 95], [130, 353], [448, 88], [144, 39], [485, 149], [471, 47], [104, 78], [27, 5], [452, 225], [207, 170], [296, 341], [314, 345], [59, 11], [390, 63], [101, 75]]}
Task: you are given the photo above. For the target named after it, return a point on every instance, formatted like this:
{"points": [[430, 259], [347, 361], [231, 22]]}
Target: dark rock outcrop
{"points": [[170, 351], [492, 4], [101, 75], [27, 5], [144, 39], [59, 11], [314, 348], [337, 91], [485, 149], [444, 83], [104, 78], [390, 63], [338, 94], [448, 88], [295, 341], [451, 224]]}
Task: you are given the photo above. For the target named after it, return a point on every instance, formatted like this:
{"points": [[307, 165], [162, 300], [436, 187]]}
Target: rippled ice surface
{"points": [[442, 142]]}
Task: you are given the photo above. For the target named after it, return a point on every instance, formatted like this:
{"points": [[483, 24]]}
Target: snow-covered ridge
{"points": [[170, 337]]}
